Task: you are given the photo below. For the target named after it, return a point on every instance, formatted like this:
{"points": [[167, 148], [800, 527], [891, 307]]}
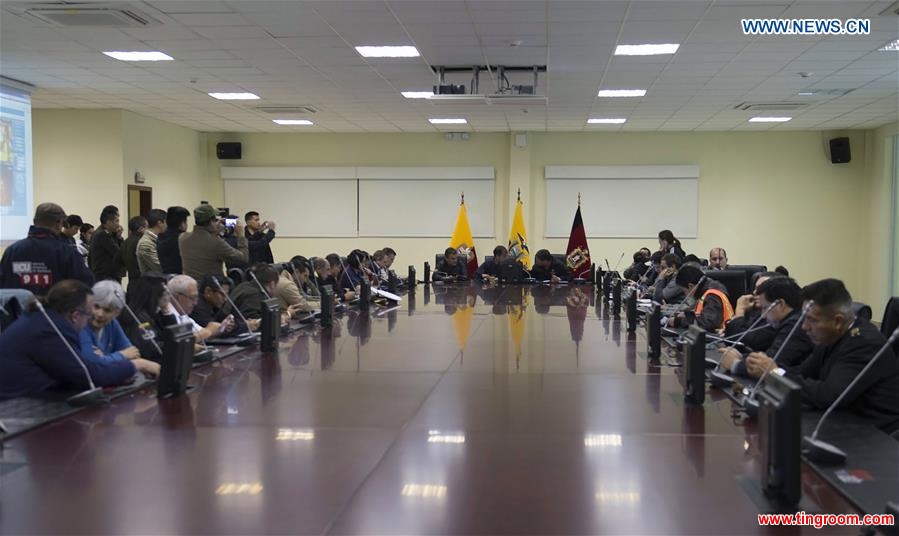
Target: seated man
{"points": [[248, 297], [746, 313], [353, 273], [844, 345], [652, 273], [665, 289], [488, 272], [288, 289], [213, 306], [185, 296], [34, 359], [638, 267], [717, 259], [712, 307], [451, 268], [548, 268], [783, 316], [325, 276]]}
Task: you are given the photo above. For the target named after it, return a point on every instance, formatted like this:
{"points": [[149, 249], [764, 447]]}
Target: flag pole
{"points": [[579, 199], [519, 195], [463, 199]]}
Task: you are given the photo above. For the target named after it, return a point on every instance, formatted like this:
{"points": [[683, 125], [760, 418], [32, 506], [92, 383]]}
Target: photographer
{"points": [[259, 236], [203, 251]]}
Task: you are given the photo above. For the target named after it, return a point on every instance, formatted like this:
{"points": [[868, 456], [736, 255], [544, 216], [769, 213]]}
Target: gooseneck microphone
{"points": [[822, 452], [233, 305], [717, 378], [617, 264], [258, 284], [750, 399], [147, 334], [94, 394]]}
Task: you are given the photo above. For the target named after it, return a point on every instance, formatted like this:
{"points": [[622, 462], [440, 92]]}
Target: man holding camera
{"points": [[259, 236], [203, 251]]}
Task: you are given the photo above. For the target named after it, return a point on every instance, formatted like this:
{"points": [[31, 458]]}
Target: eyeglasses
{"points": [[195, 297]]}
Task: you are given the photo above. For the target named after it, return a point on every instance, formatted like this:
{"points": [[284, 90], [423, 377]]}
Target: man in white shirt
{"points": [[185, 295]]}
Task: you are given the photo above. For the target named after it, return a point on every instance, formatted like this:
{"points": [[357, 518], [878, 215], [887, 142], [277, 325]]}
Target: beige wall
{"points": [[771, 198], [78, 160], [371, 150]]}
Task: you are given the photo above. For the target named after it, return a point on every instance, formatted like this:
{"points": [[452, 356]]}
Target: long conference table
{"points": [[463, 410]]}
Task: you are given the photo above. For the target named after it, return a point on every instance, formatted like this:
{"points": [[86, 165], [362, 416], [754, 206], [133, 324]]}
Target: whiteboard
{"points": [[423, 208], [301, 208], [623, 201]]}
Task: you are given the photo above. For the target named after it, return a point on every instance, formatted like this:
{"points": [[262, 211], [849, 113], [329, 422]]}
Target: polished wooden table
{"points": [[463, 410]]}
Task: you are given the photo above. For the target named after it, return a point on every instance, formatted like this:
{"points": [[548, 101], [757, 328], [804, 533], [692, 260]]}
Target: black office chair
{"points": [[891, 320], [733, 280], [237, 275], [13, 303], [862, 310], [750, 270], [438, 258], [560, 257], [488, 258]]}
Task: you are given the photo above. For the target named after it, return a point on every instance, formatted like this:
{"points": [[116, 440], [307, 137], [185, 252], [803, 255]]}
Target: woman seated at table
{"points": [[149, 301], [103, 336]]}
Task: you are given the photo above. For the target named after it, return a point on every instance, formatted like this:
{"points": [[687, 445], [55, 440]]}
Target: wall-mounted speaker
{"points": [[839, 150], [228, 150]]}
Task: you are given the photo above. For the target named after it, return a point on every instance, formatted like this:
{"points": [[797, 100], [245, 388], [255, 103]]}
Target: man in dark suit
{"points": [[549, 268], [844, 344]]}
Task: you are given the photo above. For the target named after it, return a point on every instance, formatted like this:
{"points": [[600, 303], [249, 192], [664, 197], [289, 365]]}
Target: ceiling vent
{"points": [[770, 106], [286, 110], [87, 15], [893, 10]]}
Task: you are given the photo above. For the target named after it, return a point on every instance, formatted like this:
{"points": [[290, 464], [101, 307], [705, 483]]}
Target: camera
{"points": [[230, 221]]}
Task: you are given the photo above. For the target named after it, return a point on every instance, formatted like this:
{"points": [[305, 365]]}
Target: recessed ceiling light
{"points": [[606, 121], [806, 93], [234, 96], [458, 121], [150, 55], [621, 93], [292, 121], [388, 52], [417, 94], [891, 46], [646, 50], [769, 119]]}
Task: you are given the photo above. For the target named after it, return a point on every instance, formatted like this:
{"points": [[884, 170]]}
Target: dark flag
{"points": [[577, 255]]}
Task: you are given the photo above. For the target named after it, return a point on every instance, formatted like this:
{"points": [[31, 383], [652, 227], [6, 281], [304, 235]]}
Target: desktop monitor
{"points": [[271, 325], [780, 430], [654, 332], [631, 312], [177, 360], [327, 305], [694, 365]]}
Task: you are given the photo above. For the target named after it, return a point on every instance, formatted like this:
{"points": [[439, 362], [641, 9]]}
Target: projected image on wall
{"points": [[15, 164]]}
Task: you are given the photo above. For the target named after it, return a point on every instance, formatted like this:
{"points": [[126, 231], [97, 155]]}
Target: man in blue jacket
{"points": [[34, 359], [43, 258]]}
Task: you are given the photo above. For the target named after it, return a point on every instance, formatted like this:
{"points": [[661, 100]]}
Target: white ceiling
{"points": [[301, 53]]}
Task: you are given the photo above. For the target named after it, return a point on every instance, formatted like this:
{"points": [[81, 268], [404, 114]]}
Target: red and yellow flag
{"points": [[577, 254]]}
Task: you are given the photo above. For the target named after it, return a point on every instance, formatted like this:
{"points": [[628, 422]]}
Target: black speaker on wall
{"points": [[839, 150], [228, 150]]}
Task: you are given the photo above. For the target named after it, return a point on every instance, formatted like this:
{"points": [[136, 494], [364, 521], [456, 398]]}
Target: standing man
{"points": [[167, 243], [40, 260], [259, 236], [203, 251], [147, 255], [105, 258], [70, 228], [136, 228]]}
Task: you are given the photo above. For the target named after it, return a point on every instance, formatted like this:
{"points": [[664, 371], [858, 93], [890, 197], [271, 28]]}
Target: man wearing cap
{"points": [[42, 259], [203, 251]]}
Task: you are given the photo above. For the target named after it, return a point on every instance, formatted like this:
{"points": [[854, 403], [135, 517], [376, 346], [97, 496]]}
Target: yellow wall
{"points": [[771, 198], [371, 150], [171, 158], [78, 160]]}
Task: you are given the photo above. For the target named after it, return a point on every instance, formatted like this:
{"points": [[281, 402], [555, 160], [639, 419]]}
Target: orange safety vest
{"points": [[728, 309]]}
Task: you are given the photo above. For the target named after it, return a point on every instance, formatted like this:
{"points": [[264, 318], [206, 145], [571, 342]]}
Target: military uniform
{"points": [[794, 351], [39, 261], [829, 370]]}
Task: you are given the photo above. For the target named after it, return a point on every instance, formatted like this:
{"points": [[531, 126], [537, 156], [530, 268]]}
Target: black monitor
{"points": [[694, 365], [177, 360], [327, 305], [271, 325], [654, 332], [631, 312], [780, 430], [510, 271], [410, 279], [364, 295]]}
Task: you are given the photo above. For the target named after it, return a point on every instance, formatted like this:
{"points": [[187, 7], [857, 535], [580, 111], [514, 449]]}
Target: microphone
{"points": [[89, 397], [617, 263], [750, 399], [147, 334], [233, 305], [822, 452], [609, 268], [258, 284], [722, 380]]}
